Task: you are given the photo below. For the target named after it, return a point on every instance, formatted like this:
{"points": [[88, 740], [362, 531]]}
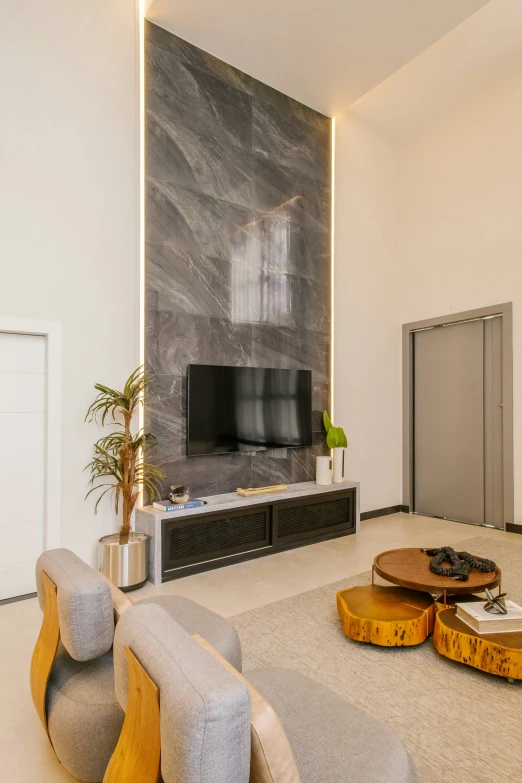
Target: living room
{"points": [[262, 269]]}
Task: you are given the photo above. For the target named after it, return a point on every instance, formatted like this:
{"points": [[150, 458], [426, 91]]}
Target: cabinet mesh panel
{"points": [[303, 519], [207, 538]]}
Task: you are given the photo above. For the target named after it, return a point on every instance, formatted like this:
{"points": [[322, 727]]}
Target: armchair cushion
{"points": [[84, 603], [271, 760], [84, 717], [332, 739], [198, 619]]}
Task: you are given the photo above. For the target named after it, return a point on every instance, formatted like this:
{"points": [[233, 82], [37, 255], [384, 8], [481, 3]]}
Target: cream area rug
{"points": [[460, 725]]}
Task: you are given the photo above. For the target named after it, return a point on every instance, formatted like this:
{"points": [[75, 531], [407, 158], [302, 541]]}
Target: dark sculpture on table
{"points": [[461, 563]]}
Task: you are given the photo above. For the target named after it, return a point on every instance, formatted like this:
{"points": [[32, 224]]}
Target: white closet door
{"points": [[22, 460]]}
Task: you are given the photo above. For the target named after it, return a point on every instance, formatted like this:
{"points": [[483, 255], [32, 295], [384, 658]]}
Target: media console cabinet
{"points": [[231, 528]]}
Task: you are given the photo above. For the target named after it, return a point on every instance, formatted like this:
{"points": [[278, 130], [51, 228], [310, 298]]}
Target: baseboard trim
{"points": [[17, 598], [384, 512], [511, 528]]}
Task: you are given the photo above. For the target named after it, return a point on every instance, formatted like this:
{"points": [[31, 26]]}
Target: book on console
{"points": [[474, 615], [168, 505]]}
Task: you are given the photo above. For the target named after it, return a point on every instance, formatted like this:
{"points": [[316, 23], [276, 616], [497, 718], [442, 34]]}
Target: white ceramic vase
{"points": [[338, 465], [323, 471]]}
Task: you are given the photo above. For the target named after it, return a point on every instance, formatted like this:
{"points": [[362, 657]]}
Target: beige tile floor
{"points": [[25, 754]]}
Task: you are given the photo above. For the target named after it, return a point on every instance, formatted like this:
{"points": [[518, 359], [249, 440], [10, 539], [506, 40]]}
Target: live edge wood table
{"points": [[404, 615], [495, 653]]}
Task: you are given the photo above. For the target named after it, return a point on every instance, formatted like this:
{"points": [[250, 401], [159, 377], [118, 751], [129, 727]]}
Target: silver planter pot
{"points": [[124, 564]]}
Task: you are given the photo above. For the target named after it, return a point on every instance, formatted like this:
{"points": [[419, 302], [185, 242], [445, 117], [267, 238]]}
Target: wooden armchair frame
{"points": [[137, 756], [46, 645], [45, 649]]}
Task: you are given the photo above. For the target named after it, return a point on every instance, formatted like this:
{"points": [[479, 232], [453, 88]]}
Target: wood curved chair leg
{"points": [[45, 649], [136, 758]]}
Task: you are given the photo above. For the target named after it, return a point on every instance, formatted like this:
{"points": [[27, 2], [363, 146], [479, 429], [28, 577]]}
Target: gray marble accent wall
{"points": [[237, 249]]}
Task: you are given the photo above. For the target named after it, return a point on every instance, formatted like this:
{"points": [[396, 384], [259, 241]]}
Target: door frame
{"points": [[506, 311], [52, 331]]}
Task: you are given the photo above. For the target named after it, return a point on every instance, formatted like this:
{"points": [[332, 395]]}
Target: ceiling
{"points": [[326, 54], [475, 56]]}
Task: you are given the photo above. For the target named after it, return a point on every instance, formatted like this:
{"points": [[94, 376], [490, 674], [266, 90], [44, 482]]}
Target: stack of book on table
{"points": [[474, 615], [168, 505]]}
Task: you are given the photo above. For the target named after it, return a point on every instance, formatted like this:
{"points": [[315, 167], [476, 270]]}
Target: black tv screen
{"points": [[247, 409]]}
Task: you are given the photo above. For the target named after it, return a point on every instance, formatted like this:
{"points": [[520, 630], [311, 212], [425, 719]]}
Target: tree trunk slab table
{"points": [[411, 568], [495, 653], [386, 616]]}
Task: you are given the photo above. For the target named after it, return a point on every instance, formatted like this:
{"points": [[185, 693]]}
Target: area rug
{"points": [[460, 725]]}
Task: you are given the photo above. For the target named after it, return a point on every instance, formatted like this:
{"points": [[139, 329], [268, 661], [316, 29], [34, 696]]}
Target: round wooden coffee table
{"points": [[411, 568]]}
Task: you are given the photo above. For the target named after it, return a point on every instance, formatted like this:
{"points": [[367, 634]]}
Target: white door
{"points": [[22, 460]]}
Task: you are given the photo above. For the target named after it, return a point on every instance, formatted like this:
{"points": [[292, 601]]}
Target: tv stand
{"points": [[231, 528]]}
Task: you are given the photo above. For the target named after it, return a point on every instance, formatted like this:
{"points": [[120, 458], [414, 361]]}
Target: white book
{"points": [[475, 615]]}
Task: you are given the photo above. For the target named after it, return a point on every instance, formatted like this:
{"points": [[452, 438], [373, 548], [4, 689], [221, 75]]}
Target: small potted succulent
{"points": [[119, 465], [335, 440]]}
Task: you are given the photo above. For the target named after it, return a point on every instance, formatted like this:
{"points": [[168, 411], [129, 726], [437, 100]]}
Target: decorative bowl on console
{"points": [[178, 493]]}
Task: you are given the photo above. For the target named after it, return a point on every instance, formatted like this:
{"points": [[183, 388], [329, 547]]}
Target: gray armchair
{"points": [[205, 716], [72, 671]]}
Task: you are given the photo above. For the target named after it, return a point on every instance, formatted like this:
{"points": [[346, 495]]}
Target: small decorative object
{"points": [[461, 563], [118, 462], [496, 604], [178, 494], [251, 492], [335, 440], [323, 470]]}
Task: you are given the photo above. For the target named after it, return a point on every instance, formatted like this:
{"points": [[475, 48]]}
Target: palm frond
{"points": [[118, 455], [111, 401]]}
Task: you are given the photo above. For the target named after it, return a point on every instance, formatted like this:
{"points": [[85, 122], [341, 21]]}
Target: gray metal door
{"points": [[457, 420]]}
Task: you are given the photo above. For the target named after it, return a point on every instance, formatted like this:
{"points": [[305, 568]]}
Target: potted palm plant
{"points": [[119, 465]]}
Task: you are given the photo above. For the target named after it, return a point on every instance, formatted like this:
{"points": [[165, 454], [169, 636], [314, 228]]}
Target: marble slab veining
{"points": [[283, 139], [195, 221], [173, 341], [198, 161], [238, 250], [292, 108], [291, 194], [196, 98], [181, 281], [186, 52]]}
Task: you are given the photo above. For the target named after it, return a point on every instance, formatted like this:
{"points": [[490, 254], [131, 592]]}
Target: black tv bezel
{"points": [[260, 449]]}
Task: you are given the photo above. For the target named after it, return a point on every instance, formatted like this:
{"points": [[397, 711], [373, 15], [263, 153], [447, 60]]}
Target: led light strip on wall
{"points": [[141, 77], [142, 8], [332, 278]]}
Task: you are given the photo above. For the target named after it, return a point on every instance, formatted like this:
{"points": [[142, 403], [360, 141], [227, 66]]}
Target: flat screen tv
{"points": [[247, 409]]}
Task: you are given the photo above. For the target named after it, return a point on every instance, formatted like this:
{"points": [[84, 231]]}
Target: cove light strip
{"points": [[332, 276], [141, 189]]}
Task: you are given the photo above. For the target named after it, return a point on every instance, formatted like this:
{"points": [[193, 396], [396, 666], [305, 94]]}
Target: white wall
{"points": [[367, 342], [462, 241], [69, 207], [427, 223]]}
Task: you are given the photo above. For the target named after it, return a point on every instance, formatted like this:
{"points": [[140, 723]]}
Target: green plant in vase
{"points": [[337, 441], [335, 437]]}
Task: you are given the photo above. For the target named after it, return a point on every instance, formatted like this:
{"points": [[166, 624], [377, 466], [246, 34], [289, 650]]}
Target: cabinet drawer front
{"points": [[197, 540], [305, 519]]}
